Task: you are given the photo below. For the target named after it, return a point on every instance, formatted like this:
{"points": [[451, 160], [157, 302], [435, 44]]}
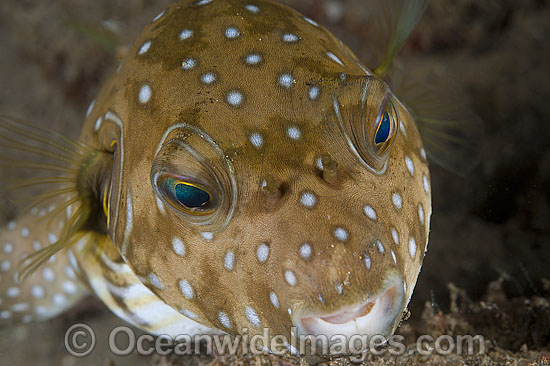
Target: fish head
{"points": [[264, 178]]}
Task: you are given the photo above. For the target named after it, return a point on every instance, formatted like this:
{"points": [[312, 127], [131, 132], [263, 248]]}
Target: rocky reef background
{"points": [[487, 270]]}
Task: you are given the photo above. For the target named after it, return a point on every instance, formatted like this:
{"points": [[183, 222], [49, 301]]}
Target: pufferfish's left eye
{"points": [[386, 128]]}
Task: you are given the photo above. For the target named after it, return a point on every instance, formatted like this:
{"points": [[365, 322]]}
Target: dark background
{"points": [[493, 223]]}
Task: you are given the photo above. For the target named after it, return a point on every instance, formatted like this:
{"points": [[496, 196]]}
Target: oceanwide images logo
{"points": [[80, 341]]}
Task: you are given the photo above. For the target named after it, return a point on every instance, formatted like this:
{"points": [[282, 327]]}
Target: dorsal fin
{"points": [[451, 132], [394, 21]]}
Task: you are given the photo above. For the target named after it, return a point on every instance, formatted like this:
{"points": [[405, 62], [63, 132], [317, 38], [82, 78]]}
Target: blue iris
{"points": [[383, 130], [190, 196]]}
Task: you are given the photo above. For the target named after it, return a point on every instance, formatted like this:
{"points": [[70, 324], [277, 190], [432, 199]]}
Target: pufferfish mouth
{"points": [[376, 316]]}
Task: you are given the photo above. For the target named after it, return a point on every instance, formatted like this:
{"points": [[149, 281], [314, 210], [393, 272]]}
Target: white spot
{"points": [[188, 64], [235, 98], [369, 212], [402, 129], [179, 247], [423, 153], [426, 184], [25, 232], [253, 59], [90, 107], [256, 140], [59, 299], [305, 251], [188, 314], [367, 261], [13, 292], [274, 299], [286, 80], [308, 199], [69, 287], [252, 8], [229, 260], [397, 201], [52, 238], [421, 213], [339, 288], [311, 21], [290, 37], [410, 165], [395, 236], [41, 311], [5, 314], [98, 123], [208, 78], [159, 15], [160, 206], [144, 48], [69, 272], [48, 274], [341, 234], [335, 58], [321, 298], [262, 252], [185, 34], [8, 248], [232, 32], [37, 291], [319, 164], [207, 235], [144, 94], [5, 266], [314, 92], [224, 319], [290, 278], [155, 281], [203, 2], [252, 316], [380, 247], [20, 307], [294, 133], [393, 256], [34, 211], [412, 247], [187, 290]]}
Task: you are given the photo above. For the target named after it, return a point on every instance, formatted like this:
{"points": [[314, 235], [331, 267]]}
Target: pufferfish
{"points": [[241, 169]]}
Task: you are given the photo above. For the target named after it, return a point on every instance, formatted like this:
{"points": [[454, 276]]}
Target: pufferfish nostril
{"points": [[378, 315]]}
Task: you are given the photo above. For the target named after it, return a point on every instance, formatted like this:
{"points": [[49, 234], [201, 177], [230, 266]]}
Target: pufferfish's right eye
{"points": [[191, 198], [193, 178]]}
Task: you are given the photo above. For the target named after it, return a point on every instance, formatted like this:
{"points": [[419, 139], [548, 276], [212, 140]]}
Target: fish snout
{"points": [[377, 315]]}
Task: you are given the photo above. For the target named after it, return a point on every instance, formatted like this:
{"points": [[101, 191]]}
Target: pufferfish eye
{"points": [[192, 177], [386, 128], [370, 123], [191, 198]]}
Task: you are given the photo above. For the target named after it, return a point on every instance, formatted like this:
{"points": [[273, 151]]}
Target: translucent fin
{"points": [[394, 21], [104, 35], [41, 166], [452, 133]]}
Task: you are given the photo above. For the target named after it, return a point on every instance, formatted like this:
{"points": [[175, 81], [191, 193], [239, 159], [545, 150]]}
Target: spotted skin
{"points": [[261, 93], [54, 287]]}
